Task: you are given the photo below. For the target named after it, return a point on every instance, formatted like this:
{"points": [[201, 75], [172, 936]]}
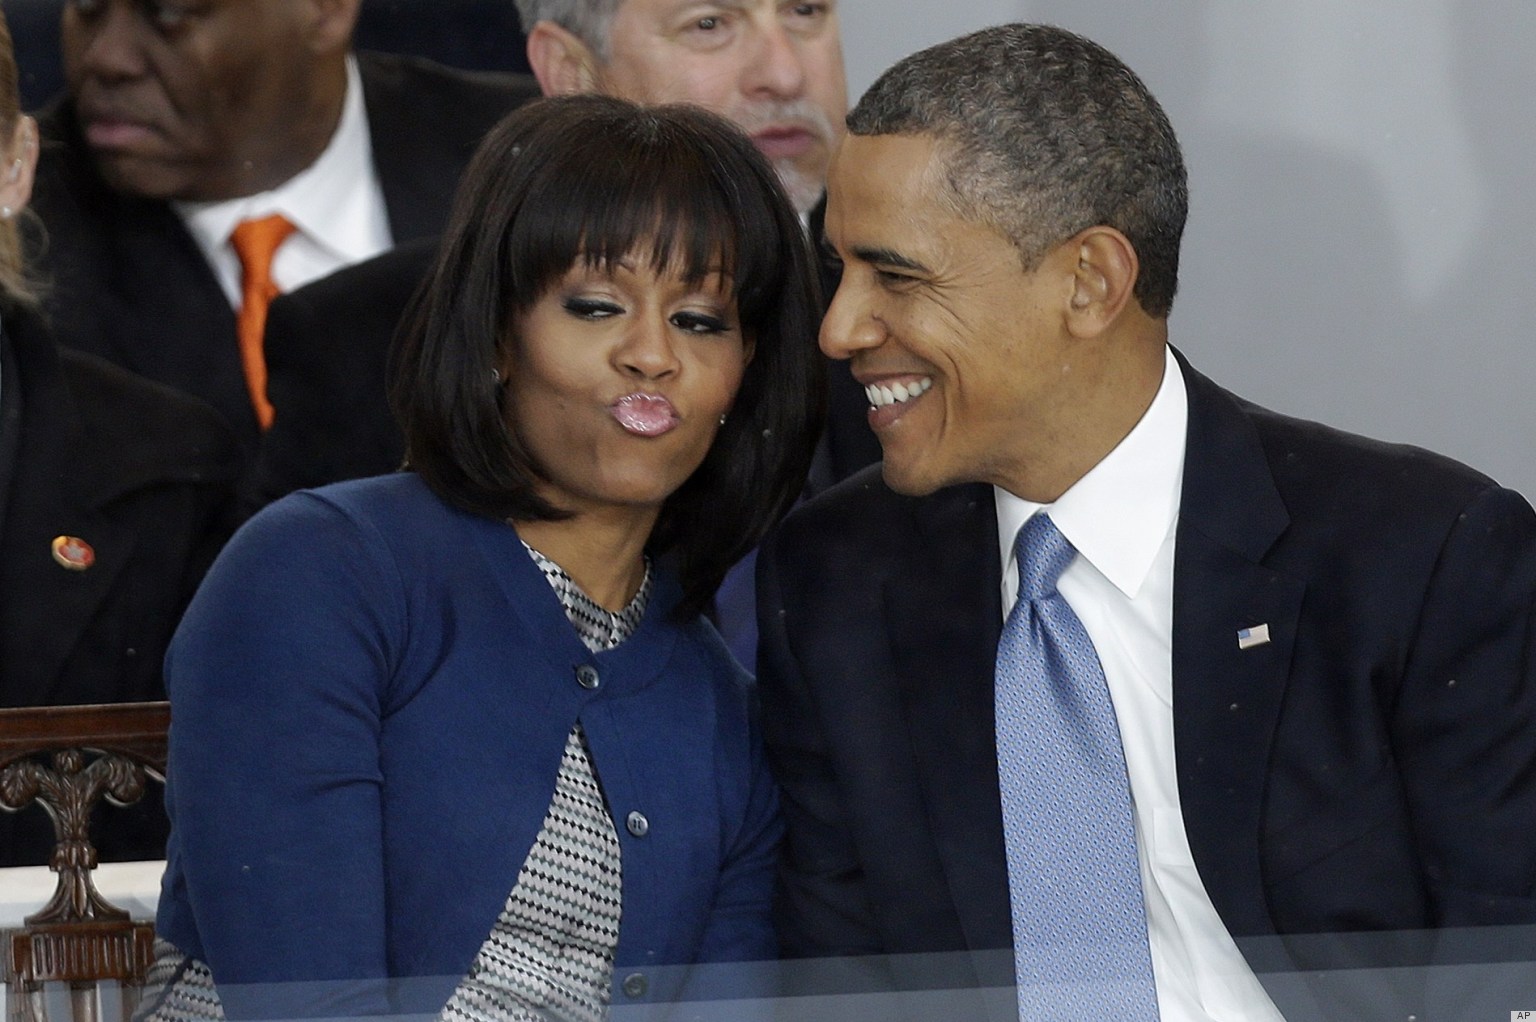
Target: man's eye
{"points": [[167, 15], [707, 24]]}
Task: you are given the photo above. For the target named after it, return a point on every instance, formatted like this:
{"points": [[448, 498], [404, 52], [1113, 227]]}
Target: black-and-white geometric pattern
{"points": [[550, 954]]}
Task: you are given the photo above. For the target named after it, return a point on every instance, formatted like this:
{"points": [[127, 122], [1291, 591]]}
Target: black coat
{"points": [[145, 477]]}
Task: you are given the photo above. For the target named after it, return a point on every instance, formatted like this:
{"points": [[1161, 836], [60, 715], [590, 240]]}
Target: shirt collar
{"points": [[312, 199], [1119, 513]]}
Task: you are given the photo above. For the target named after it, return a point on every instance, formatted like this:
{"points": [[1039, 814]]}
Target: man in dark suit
{"points": [[1313, 651], [182, 122]]}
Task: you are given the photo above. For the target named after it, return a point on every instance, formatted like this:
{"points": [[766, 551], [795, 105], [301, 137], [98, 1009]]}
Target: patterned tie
{"points": [[255, 243], [1079, 923]]}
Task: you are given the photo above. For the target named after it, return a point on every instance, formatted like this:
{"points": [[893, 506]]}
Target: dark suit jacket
{"points": [[327, 356], [130, 283], [141, 473], [1373, 768]]}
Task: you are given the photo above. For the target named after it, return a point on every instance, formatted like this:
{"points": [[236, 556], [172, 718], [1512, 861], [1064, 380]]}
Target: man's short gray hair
{"points": [[588, 20], [1047, 134]]}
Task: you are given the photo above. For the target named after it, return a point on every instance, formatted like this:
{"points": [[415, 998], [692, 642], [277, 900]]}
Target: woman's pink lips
{"points": [[644, 414]]}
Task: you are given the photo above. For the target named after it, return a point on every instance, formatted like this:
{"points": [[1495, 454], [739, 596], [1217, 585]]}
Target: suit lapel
{"points": [[1227, 698], [943, 633]]}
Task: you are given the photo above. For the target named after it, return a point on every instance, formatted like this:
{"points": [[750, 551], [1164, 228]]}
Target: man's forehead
{"points": [[879, 176]]}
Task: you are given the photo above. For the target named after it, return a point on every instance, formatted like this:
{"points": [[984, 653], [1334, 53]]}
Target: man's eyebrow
{"points": [[888, 257]]}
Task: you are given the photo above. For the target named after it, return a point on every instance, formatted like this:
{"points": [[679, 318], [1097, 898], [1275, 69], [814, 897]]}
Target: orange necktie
{"points": [[255, 242]]}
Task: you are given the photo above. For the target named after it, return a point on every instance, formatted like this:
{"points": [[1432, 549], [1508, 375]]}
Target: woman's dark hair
{"points": [[596, 178]]}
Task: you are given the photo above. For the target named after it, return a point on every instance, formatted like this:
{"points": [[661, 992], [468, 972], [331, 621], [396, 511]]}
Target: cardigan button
{"points": [[635, 985], [586, 677], [637, 824]]}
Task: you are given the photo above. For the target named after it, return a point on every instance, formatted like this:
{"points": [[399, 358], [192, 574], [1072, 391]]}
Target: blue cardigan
{"points": [[371, 693]]}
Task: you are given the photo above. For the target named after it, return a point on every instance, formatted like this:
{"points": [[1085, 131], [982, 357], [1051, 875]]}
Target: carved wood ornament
{"points": [[67, 759]]}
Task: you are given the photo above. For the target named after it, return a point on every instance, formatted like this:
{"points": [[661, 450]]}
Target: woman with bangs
{"points": [[465, 722]]}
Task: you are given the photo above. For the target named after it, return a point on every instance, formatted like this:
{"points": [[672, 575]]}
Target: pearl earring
{"points": [[6, 212]]}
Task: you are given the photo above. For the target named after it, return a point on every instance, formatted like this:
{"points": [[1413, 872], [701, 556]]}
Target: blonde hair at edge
{"points": [[15, 288]]}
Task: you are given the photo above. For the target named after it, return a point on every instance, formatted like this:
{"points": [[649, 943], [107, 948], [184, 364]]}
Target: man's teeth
{"points": [[881, 395]]}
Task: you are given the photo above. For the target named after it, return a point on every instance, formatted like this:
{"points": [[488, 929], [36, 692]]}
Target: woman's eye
{"points": [[699, 323], [591, 308]]}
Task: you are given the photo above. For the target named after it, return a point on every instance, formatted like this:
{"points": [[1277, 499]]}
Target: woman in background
{"points": [[465, 721], [115, 494]]}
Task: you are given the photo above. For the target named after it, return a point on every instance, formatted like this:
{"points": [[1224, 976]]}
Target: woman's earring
{"points": [[495, 375], [722, 418], [6, 212]]}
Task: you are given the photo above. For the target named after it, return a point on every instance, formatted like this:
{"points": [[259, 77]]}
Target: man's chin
{"points": [[908, 480], [803, 187], [141, 177]]}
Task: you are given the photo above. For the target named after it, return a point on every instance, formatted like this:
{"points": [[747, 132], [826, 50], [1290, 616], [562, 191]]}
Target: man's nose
{"points": [[849, 326], [776, 65], [108, 43]]}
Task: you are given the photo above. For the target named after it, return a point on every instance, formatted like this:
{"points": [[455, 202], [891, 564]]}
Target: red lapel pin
{"points": [[73, 553]]}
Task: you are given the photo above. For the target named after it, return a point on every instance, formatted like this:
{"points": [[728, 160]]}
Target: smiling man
{"points": [[183, 122], [1106, 666]]}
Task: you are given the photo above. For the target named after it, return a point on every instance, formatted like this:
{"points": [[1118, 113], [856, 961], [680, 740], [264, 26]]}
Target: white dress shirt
{"points": [[1122, 517], [336, 203]]}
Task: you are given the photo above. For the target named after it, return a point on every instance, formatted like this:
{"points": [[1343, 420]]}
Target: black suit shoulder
{"points": [[1349, 499], [426, 121], [328, 349], [1307, 456], [136, 433]]}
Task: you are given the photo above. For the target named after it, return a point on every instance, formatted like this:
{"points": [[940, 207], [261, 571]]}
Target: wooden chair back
{"points": [[79, 957]]}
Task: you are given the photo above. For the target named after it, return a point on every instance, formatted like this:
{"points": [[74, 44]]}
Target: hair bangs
{"points": [[643, 196]]}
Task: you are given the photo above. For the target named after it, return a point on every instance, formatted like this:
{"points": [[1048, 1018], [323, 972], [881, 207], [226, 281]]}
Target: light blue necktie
{"points": [[1079, 922]]}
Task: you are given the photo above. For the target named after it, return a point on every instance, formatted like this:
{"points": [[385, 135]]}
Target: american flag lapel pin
{"points": [[1247, 638]]}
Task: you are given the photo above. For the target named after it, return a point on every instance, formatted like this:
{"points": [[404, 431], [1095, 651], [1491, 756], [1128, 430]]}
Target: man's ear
{"points": [[331, 24], [563, 64], [1103, 281]]}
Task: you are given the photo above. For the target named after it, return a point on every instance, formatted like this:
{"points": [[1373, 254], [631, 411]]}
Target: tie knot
{"points": [[256, 241], [1043, 554]]}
